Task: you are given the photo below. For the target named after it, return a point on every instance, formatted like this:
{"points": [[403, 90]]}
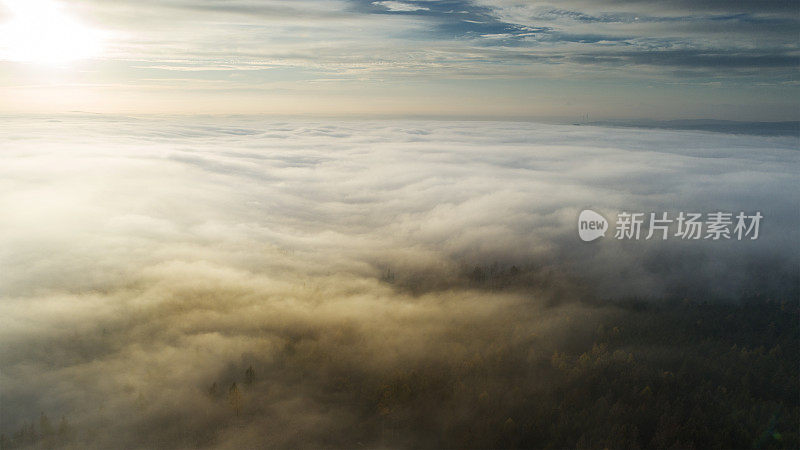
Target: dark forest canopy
{"points": [[680, 374]]}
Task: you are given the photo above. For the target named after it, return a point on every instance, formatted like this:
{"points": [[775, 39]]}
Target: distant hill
{"points": [[788, 128]]}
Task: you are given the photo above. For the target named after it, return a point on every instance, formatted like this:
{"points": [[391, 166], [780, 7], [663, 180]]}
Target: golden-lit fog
{"points": [[241, 282]]}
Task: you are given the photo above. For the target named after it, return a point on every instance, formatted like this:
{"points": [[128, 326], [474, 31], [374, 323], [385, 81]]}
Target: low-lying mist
{"points": [[239, 282]]}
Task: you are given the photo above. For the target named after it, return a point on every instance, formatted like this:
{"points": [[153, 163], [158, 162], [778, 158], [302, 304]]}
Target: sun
{"points": [[41, 32]]}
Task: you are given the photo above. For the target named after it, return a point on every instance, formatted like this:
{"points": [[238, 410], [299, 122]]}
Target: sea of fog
{"points": [[146, 259]]}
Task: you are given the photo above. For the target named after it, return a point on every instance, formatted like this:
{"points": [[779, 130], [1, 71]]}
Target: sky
{"points": [[496, 59]]}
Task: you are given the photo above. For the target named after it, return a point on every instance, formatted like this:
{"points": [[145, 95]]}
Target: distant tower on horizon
{"points": [[582, 119]]}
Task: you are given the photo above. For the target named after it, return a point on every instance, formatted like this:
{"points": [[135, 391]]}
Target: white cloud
{"points": [[146, 258], [400, 6]]}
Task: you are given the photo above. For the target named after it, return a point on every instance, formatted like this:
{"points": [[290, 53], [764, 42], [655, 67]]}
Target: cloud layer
{"points": [[146, 259]]}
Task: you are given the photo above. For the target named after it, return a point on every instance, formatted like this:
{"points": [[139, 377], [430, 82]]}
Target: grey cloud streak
{"points": [[580, 32]]}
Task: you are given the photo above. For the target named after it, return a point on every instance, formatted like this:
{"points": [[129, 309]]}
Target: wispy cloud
{"points": [[737, 44], [400, 6]]}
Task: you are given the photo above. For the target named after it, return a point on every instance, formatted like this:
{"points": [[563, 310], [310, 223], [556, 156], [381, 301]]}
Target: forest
{"points": [[680, 373]]}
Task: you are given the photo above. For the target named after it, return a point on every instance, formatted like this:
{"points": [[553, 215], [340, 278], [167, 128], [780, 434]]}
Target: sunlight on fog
{"points": [[240, 282]]}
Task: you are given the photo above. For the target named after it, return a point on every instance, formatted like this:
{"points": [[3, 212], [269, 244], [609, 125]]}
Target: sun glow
{"points": [[41, 32]]}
